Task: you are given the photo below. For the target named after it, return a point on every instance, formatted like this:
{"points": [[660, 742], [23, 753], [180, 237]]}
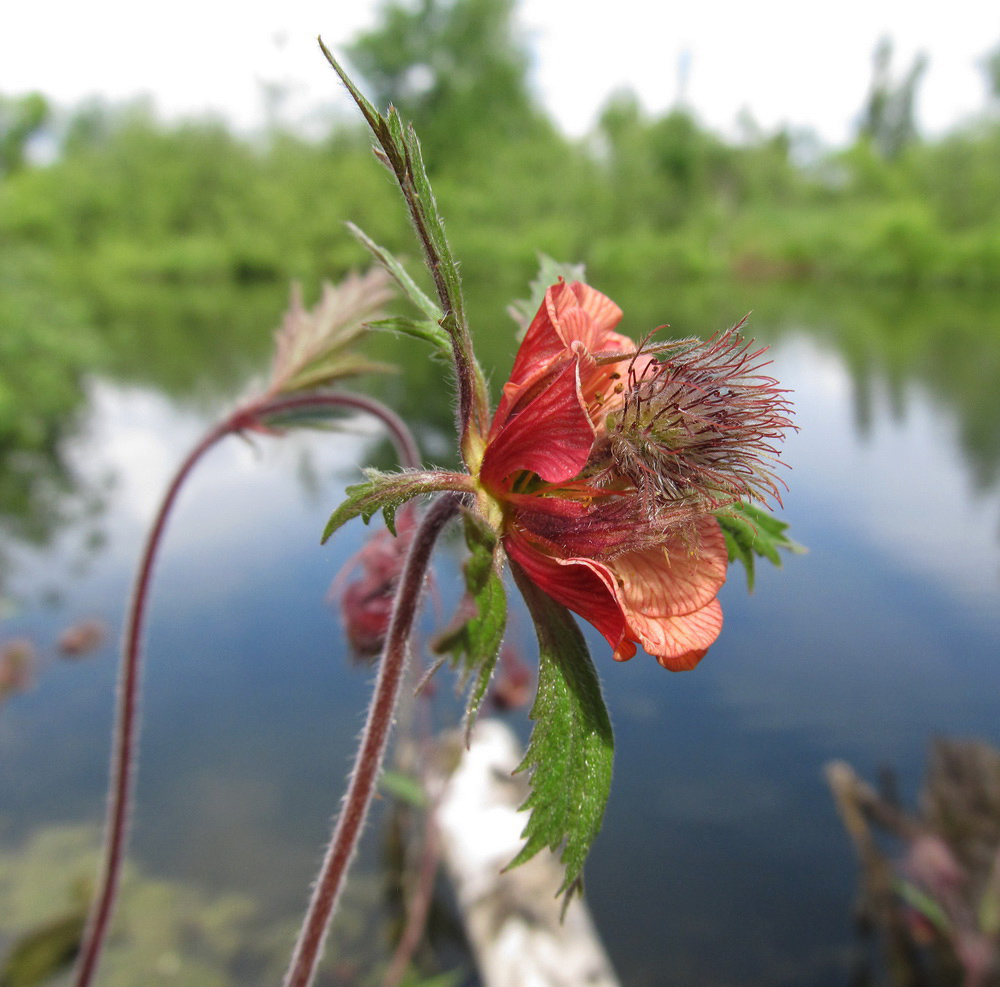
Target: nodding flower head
{"points": [[365, 587], [697, 429], [605, 462]]}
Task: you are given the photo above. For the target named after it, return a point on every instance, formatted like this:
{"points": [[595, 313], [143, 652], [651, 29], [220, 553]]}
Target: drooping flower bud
{"points": [[81, 638], [371, 576]]}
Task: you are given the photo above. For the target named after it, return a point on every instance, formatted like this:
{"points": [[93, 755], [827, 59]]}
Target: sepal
{"points": [[550, 271]]}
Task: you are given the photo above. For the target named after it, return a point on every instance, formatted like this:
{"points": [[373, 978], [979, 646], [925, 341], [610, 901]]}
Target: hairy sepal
{"points": [[569, 757], [474, 642], [751, 531], [385, 492]]}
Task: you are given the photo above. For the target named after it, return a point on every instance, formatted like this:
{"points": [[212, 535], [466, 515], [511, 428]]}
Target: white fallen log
{"points": [[512, 919]]}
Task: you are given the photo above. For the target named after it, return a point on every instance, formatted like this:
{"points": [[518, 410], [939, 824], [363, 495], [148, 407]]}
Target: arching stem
{"points": [[126, 732]]}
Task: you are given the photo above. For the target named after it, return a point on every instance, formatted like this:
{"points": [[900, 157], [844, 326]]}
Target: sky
{"points": [[785, 61]]}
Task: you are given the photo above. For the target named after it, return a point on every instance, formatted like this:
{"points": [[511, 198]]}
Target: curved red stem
{"points": [[122, 777]]}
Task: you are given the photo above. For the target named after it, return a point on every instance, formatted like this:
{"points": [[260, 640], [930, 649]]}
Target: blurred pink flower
{"points": [[81, 638], [364, 589], [17, 663]]}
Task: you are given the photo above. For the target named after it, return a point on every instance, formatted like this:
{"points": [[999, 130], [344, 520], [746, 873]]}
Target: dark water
{"points": [[722, 860]]}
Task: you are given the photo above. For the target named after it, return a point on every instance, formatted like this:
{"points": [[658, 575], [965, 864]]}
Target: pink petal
{"points": [[601, 309], [678, 643], [677, 578], [665, 619], [573, 321], [542, 348], [551, 435], [579, 587]]}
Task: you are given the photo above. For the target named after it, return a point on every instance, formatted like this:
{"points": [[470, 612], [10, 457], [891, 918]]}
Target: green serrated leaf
{"points": [[400, 149], [368, 111], [752, 531], [474, 642], [386, 491], [429, 216], [395, 127], [410, 289], [571, 750]]}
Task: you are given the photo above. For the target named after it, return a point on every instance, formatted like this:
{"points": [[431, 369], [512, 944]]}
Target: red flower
{"points": [[604, 463], [366, 600]]}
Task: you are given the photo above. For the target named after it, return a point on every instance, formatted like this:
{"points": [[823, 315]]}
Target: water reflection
{"points": [[722, 860]]}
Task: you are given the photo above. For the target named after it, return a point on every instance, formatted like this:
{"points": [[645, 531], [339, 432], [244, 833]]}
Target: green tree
{"points": [[457, 70], [21, 119], [888, 119], [991, 64]]}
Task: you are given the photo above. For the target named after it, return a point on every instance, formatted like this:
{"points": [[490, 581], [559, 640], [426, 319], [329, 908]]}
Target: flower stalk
{"points": [[371, 750], [399, 149]]}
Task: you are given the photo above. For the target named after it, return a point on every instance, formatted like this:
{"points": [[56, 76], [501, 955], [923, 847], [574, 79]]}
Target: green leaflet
{"points": [[404, 787], [400, 150], [45, 951], [474, 642], [426, 214], [988, 912], [571, 749], [423, 329], [923, 903], [751, 531], [549, 272], [386, 491], [430, 308]]}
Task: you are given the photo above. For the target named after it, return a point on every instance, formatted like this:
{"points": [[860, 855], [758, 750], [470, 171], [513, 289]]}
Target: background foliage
{"points": [[112, 221]]}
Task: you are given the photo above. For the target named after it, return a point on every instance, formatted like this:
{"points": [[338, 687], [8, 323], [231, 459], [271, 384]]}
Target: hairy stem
{"points": [[371, 751], [402, 438], [122, 782], [401, 151], [126, 733]]}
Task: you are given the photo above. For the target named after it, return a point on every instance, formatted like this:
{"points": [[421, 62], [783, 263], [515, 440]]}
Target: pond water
{"points": [[722, 860]]}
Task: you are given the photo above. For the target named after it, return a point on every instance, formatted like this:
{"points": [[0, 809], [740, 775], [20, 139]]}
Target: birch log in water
{"points": [[512, 919]]}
